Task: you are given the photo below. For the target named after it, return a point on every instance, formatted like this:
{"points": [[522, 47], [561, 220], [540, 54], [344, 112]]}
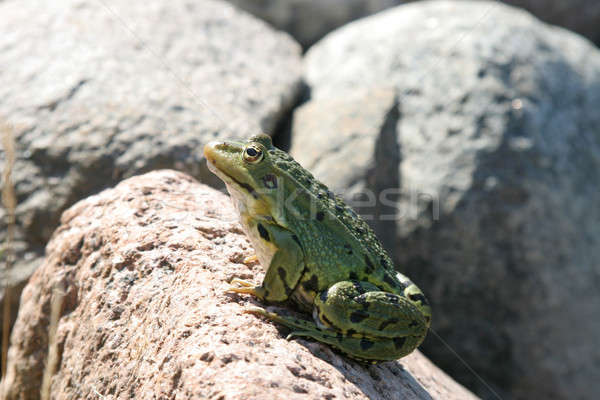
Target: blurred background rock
{"points": [[309, 20]]}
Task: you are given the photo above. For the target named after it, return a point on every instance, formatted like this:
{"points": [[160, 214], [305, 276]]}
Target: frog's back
{"points": [[331, 233]]}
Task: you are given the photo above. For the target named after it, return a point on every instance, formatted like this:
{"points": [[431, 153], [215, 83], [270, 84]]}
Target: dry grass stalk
{"points": [[58, 297], [10, 204]]}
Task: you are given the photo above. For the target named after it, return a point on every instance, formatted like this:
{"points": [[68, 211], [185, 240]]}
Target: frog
{"points": [[317, 254]]}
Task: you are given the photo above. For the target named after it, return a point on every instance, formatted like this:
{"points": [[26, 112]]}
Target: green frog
{"points": [[319, 254]]}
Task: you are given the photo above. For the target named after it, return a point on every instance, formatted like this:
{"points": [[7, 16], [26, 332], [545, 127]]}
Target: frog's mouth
{"points": [[212, 155], [230, 180]]}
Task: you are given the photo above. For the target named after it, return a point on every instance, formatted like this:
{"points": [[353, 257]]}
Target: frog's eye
{"points": [[253, 154]]}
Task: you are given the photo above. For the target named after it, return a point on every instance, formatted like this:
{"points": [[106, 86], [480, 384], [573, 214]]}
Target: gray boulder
{"points": [[96, 92], [498, 132], [581, 16], [309, 20]]}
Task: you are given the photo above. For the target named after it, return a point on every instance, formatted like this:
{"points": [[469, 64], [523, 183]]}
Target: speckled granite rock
{"points": [[143, 267], [98, 91], [497, 219]]}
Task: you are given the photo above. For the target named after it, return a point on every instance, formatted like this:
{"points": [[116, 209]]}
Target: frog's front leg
{"points": [[285, 265], [367, 323]]}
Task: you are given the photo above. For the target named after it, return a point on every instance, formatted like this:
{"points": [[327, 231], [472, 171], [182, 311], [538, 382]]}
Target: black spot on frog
{"points": [[270, 181], [263, 233]]}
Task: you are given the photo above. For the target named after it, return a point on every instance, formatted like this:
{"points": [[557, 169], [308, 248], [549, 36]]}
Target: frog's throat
{"points": [[229, 180]]}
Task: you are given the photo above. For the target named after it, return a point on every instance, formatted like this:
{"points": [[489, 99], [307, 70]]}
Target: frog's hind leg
{"points": [[364, 349], [347, 344], [373, 324], [362, 321]]}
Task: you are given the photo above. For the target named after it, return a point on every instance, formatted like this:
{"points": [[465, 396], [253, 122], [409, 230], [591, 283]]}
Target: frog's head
{"points": [[248, 169]]}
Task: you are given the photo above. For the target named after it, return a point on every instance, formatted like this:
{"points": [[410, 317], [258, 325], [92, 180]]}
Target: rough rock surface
{"points": [[498, 218], [97, 91], [143, 267], [309, 20]]}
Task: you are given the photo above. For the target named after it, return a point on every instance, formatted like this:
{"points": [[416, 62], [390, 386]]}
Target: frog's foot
{"points": [[250, 259], [241, 286], [290, 322], [325, 336], [241, 282], [358, 347]]}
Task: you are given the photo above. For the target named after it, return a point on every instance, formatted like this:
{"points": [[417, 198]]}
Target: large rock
{"points": [[581, 16], [96, 92], [498, 133], [142, 270], [309, 20]]}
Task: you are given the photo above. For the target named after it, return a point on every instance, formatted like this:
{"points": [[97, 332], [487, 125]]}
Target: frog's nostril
{"points": [[218, 149], [209, 150]]}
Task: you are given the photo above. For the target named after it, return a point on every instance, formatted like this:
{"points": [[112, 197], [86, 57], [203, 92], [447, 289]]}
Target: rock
{"points": [[96, 92], [142, 269], [498, 219], [580, 16], [309, 20]]}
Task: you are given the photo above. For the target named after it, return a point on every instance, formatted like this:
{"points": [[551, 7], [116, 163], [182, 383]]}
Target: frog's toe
{"points": [[241, 286], [250, 259], [255, 311], [310, 334], [241, 282], [300, 325], [243, 290], [294, 334]]}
